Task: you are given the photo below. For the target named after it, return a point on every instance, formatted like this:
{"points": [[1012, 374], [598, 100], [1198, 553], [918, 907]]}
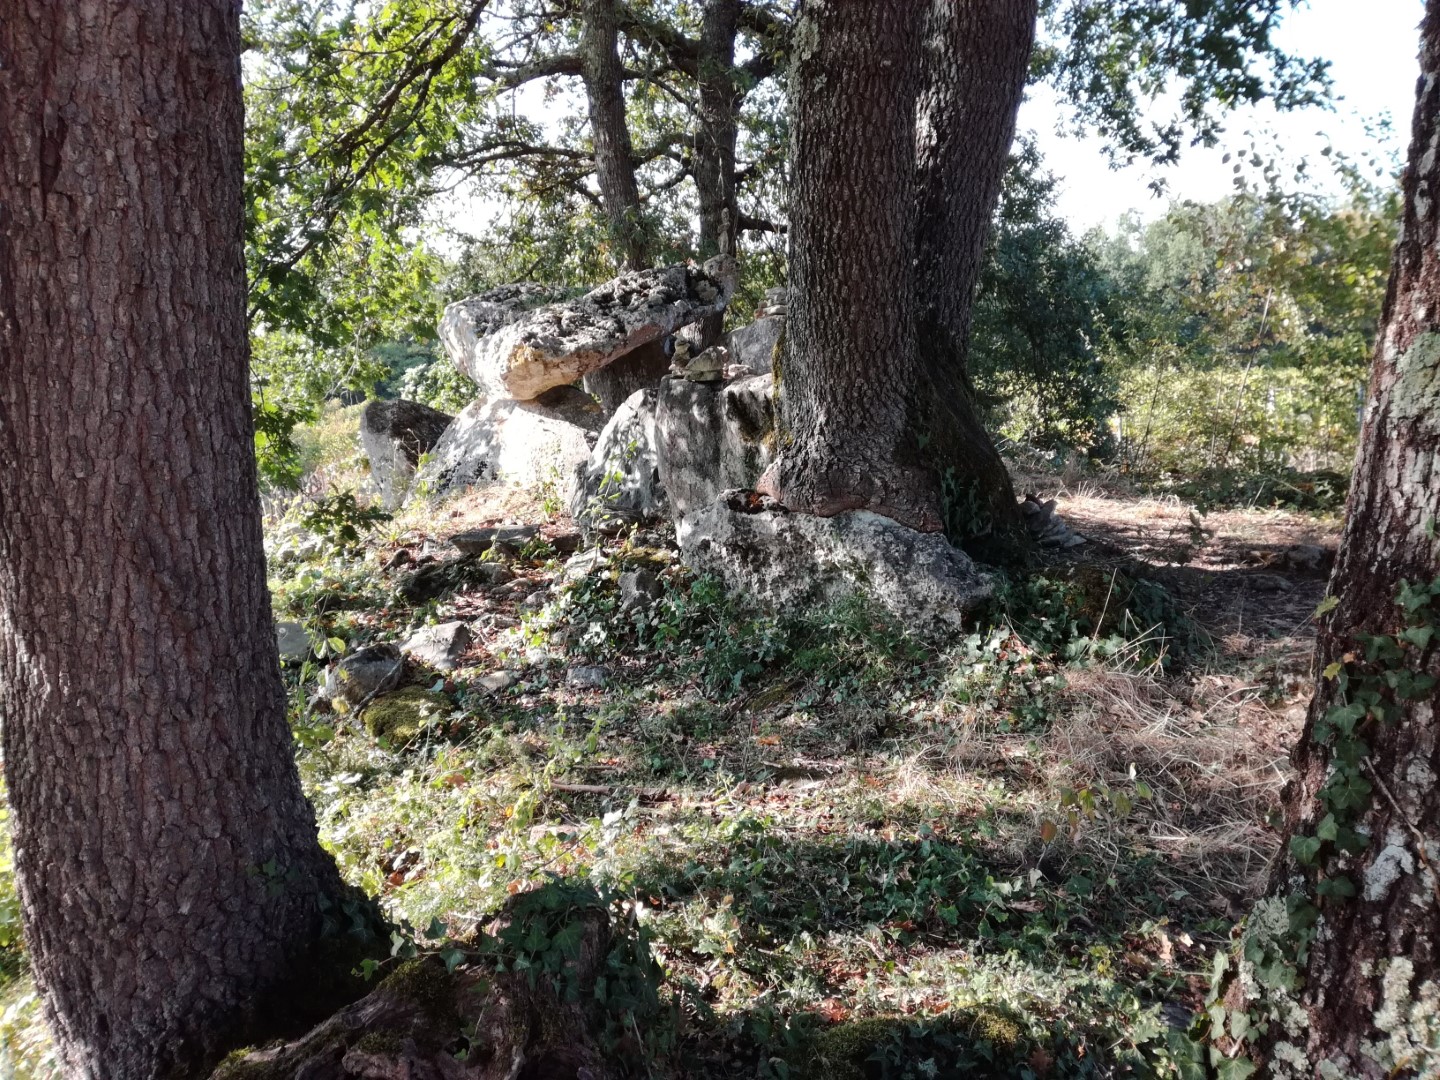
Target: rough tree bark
{"points": [[873, 383], [975, 62], [604, 78], [715, 136], [1371, 980], [169, 871], [850, 366]]}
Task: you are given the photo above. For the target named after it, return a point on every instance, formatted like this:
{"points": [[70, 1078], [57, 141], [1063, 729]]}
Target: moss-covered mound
{"points": [[400, 716]]}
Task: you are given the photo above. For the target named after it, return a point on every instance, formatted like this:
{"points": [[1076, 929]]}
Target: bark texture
{"points": [[975, 61], [604, 78], [168, 865], [850, 368], [715, 135], [1371, 993]]}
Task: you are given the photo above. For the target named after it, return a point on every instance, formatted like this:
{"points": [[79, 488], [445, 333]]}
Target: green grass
{"points": [[849, 851]]}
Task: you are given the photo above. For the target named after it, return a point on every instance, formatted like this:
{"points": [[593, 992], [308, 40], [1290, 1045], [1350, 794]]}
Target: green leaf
{"points": [[1329, 604]]}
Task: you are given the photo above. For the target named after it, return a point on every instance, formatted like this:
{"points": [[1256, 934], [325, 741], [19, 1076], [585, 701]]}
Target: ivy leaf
{"points": [[1329, 604]]}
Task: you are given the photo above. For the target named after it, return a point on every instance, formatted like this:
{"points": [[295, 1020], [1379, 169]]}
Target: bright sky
{"points": [[1372, 46]]}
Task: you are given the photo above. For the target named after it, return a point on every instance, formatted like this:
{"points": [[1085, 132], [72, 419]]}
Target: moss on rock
{"points": [[400, 716]]}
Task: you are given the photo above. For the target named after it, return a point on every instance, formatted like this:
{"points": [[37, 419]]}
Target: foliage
{"points": [[1044, 309], [1249, 330], [1111, 60], [341, 519]]}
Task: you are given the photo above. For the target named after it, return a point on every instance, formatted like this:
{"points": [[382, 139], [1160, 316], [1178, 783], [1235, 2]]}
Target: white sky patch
{"points": [[1372, 46]]}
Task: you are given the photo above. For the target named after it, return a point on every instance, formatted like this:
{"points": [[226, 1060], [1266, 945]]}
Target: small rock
{"points": [[639, 590], [567, 542], [1267, 583], [440, 646], [1045, 524], [497, 681], [583, 565], [293, 641], [365, 672], [506, 538], [495, 573], [536, 600], [430, 582], [587, 677]]}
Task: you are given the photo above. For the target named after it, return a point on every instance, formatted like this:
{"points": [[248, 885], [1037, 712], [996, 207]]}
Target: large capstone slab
{"points": [[558, 343], [468, 322], [786, 561]]}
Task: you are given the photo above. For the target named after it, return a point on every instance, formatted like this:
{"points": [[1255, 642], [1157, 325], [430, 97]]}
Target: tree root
{"points": [[424, 1022]]}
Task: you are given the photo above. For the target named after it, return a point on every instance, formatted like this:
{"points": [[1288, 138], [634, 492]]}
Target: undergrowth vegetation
{"points": [[827, 846]]}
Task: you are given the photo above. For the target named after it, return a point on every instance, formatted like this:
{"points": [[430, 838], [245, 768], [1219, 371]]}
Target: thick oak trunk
{"points": [[975, 63], [604, 78], [850, 369], [715, 136], [168, 865], [1369, 1002]]}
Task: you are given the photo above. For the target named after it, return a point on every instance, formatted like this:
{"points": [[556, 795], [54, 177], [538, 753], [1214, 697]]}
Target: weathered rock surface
{"points": [[393, 435], [558, 343], [753, 347], [790, 561], [363, 674], [466, 323], [639, 591], [1045, 524], [505, 538], [712, 438], [293, 641], [524, 442], [621, 479], [439, 646], [587, 677]]}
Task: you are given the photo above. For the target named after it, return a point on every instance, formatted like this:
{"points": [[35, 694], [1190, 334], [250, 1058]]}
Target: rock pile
{"points": [[526, 346]]}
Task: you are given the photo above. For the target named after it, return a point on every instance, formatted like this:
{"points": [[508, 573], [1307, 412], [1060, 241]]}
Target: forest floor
{"points": [[852, 852]]}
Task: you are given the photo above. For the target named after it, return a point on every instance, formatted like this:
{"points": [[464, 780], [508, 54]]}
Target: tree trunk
{"points": [[850, 368], [1364, 812], [715, 136], [169, 871], [604, 77], [976, 59]]}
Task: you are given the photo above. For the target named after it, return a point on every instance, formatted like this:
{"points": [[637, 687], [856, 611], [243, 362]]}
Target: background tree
{"points": [[169, 870], [1341, 960]]}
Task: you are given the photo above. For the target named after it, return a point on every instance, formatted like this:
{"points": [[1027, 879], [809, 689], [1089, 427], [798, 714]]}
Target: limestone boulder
{"points": [[439, 646], [621, 479], [558, 343], [753, 347], [394, 435], [531, 443], [712, 437], [466, 323], [792, 562], [363, 674]]}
